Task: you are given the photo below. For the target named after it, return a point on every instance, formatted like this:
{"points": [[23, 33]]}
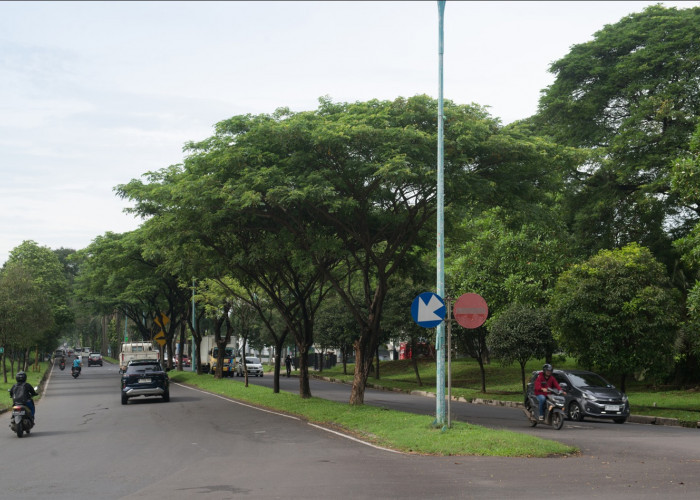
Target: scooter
{"points": [[75, 372], [553, 409], [21, 420], [62, 364]]}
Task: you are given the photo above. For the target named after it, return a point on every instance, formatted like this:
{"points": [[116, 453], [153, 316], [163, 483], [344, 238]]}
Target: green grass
{"points": [[393, 429], [504, 383]]}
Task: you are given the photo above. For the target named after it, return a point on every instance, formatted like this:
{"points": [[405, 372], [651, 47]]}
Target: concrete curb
{"points": [[636, 419]]}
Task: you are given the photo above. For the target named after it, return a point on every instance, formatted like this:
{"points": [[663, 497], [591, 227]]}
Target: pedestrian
{"points": [[288, 364]]}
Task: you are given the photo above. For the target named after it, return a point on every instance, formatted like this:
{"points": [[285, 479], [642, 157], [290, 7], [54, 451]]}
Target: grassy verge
{"points": [[504, 383], [392, 429], [33, 377]]}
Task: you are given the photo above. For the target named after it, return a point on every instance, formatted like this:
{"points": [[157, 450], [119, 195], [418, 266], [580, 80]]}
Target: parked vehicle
{"points": [[145, 378], [590, 395], [185, 361], [211, 350], [253, 365], [21, 420], [95, 358], [553, 409], [131, 351]]}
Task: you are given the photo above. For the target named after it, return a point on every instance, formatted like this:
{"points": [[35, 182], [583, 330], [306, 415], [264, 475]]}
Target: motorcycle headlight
{"points": [[559, 400]]}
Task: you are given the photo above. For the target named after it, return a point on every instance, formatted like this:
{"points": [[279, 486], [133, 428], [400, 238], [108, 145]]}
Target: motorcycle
{"points": [[62, 365], [75, 372], [21, 420], [554, 413]]}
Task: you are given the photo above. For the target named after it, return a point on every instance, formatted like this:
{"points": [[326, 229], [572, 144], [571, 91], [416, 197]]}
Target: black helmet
{"points": [[547, 368], [21, 377]]}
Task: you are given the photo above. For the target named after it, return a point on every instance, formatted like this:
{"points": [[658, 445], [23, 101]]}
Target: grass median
{"points": [[397, 430]]}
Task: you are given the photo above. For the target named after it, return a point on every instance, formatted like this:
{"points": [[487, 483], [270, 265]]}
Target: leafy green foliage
{"points": [[618, 312], [518, 334], [630, 95]]}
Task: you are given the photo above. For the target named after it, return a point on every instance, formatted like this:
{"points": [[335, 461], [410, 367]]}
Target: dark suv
{"points": [[145, 378], [589, 395]]}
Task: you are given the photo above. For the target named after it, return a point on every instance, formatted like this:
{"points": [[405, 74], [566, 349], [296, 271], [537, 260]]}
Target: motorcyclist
{"points": [[22, 392], [76, 364], [543, 383]]}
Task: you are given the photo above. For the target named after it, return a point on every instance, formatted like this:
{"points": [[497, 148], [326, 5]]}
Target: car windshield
{"points": [[134, 369], [252, 361], [588, 380]]}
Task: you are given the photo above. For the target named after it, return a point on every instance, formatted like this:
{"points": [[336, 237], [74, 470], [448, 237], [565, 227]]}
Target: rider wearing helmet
{"points": [[543, 383], [77, 362], [22, 392]]}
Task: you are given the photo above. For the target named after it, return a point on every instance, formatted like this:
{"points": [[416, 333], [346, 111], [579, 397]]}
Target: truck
{"points": [[136, 350], [209, 351]]}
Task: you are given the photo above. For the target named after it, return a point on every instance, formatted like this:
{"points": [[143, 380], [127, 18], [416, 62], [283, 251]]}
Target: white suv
{"points": [[254, 366]]}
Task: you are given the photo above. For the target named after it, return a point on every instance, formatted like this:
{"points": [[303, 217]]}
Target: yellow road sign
{"points": [[160, 337], [162, 320]]}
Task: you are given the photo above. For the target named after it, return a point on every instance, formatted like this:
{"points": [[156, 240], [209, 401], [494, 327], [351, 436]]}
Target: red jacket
{"points": [[541, 382]]}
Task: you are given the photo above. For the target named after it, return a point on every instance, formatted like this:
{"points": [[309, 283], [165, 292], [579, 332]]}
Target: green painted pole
{"points": [[193, 358], [440, 333]]}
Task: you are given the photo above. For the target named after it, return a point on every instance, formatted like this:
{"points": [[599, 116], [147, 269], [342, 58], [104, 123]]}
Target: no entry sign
{"points": [[470, 310]]}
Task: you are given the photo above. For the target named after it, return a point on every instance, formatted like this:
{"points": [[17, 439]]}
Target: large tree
{"points": [[631, 96], [350, 182], [618, 312]]}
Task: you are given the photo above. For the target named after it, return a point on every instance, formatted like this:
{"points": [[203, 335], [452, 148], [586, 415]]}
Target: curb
{"points": [[636, 419]]}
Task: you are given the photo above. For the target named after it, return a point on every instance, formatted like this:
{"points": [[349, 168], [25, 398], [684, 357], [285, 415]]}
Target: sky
{"points": [[94, 94]]}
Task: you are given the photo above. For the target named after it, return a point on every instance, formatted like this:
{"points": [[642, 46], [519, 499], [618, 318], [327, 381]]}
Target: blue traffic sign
{"points": [[428, 310]]}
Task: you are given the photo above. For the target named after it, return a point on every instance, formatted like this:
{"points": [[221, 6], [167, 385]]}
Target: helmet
{"points": [[21, 377], [547, 368]]}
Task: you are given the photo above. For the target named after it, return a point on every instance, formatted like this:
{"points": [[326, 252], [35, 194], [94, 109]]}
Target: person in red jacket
{"points": [[543, 383]]}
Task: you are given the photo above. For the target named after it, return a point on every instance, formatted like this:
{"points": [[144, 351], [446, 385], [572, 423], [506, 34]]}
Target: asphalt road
{"points": [[87, 445]]}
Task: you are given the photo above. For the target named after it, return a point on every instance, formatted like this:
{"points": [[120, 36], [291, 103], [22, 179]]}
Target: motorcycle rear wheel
{"points": [[19, 430]]}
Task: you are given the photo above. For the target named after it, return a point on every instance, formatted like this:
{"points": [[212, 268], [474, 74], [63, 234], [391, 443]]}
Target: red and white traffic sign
{"points": [[470, 310]]}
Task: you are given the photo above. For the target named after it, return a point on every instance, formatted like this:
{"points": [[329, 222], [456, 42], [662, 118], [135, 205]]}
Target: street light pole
{"points": [[440, 334]]}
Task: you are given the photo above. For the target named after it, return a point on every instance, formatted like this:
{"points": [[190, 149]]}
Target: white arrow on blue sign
{"points": [[428, 310]]}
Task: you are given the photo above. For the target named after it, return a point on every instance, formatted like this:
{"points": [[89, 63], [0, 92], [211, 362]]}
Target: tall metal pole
{"points": [[440, 334], [193, 358]]}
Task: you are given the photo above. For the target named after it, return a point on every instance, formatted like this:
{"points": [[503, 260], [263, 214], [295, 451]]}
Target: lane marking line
{"points": [[236, 402], [346, 436], [354, 439]]}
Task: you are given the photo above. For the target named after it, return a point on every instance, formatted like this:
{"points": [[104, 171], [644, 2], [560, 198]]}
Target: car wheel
{"points": [[166, 396], [124, 398], [575, 412], [620, 420]]}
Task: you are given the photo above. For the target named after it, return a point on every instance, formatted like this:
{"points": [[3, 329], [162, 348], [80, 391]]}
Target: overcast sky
{"points": [[94, 94]]}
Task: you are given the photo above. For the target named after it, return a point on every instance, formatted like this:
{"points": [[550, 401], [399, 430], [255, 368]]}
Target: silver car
{"points": [[254, 366]]}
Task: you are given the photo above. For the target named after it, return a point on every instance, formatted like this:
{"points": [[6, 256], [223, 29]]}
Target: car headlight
{"points": [[624, 398], [587, 395]]}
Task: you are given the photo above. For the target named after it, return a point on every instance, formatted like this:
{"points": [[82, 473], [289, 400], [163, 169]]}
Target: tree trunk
{"points": [[414, 362], [483, 374], [344, 354], [376, 368], [304, 387], [522, 374], [623, 384]]}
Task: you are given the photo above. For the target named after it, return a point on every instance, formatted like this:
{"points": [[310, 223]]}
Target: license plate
{"points": [[612, 408], [144, 381], [21, 412]]}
